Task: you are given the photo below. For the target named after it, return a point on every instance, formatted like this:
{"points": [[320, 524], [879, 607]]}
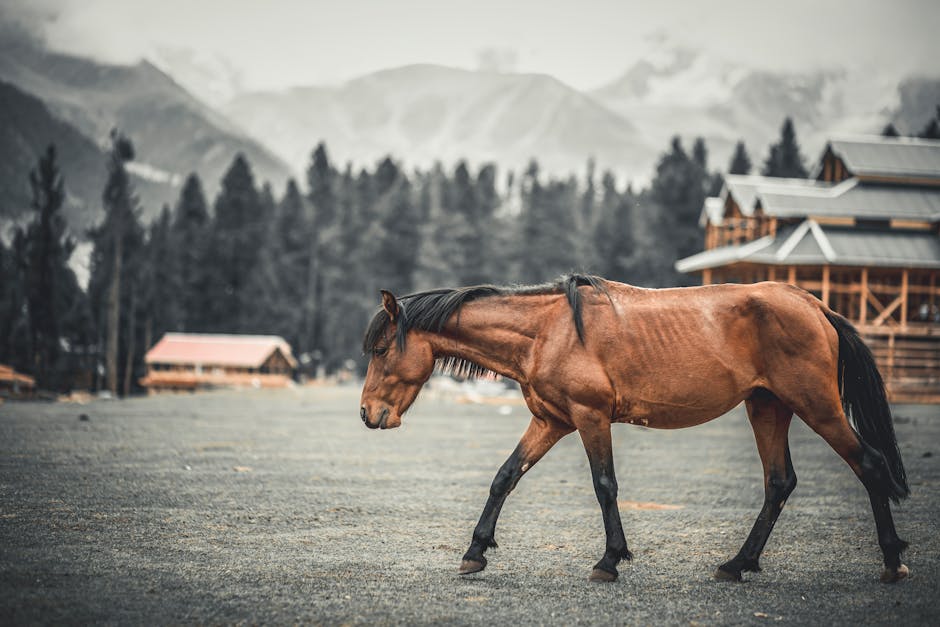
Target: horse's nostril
{"points": [[362, 414]]}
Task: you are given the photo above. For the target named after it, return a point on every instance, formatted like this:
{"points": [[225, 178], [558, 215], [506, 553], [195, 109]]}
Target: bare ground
{"points": [[280, 507]]}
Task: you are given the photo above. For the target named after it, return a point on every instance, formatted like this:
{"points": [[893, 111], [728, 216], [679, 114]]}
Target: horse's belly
{"points": [[664, 407]]}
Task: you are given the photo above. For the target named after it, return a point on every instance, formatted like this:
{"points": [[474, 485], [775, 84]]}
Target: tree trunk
{"points": [[129, 364], [114, 314]]}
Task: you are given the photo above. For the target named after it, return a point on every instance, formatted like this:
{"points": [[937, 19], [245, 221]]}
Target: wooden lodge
{"points": [[863, 235], [15, 384], [188, 361]]}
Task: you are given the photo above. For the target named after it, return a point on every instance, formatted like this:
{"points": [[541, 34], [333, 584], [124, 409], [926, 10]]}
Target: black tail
{"points": [[864, 399]]}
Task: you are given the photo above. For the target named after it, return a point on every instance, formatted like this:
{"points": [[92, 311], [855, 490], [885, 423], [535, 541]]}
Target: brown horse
{"points": [[588, 353]]}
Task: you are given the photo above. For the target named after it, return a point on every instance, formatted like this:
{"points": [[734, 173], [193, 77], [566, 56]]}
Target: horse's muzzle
{"points": [[380, 424]]}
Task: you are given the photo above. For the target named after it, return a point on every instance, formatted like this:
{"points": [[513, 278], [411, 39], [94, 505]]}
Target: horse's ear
{"points": [[390, 303]]}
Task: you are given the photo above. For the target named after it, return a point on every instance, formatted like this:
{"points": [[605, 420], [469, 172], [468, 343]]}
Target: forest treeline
{"points": [[307, 262]]}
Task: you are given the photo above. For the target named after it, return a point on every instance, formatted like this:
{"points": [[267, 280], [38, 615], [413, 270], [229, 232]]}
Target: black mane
{"points": [[430, 311]]}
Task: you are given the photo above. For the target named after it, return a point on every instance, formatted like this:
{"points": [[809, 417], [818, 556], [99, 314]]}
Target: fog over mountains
{"points": [[419, 114]]}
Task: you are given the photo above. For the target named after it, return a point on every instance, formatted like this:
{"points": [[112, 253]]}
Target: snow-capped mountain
{"points": [[424, 113]]}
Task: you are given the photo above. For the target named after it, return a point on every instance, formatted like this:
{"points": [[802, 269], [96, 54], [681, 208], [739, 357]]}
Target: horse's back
{"points": [[681, 356]]}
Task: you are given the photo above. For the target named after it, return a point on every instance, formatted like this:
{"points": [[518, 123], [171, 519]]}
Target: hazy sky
{"points": [[278, 43]]}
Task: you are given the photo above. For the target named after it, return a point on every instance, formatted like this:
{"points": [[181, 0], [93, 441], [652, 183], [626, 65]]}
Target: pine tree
{"points": [[932, 130], [237, 227], [14, 326], [162, 281], [189, 243], [321, 177], [613, 237], [890, 131], [784, 158], [740, 160], [116, 244], [47, 248]]}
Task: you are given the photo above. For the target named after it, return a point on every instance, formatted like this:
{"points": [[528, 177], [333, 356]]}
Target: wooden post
{"points": [[825, 285], [791, 275], [863, 298], [905, 279], [707, 276], [772, 273]]}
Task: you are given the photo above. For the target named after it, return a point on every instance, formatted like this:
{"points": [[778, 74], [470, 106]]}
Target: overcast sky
{"points": [[280, 43]]}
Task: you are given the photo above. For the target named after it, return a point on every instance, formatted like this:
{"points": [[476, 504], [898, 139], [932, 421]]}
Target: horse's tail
{"points": [[864, 399]]}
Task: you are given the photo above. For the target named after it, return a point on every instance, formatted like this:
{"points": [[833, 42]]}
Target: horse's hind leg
{"points": [[872, 470], [537, 440], [770, 419]]}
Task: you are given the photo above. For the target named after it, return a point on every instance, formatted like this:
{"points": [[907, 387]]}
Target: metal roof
{"points": [[745, 189], [810, 243], [889, 156], [864, 201], [217, 349]]}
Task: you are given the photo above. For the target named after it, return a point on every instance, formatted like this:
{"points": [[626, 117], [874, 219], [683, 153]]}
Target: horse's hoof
{"points": [[727, 575], [470, 566], [894, 576], [602, 576]]}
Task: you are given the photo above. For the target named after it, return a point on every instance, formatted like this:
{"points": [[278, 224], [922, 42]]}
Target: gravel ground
{"points": [[281, 507]]}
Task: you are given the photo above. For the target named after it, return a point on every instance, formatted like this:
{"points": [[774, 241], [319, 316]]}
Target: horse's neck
{"points": [[496, 333]]}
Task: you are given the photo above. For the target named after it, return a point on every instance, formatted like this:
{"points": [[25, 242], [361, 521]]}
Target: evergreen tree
{"points": [[117, 243], [890, 131], [397, 232], [932, 130], [189, 242], [613, 237], [740, 160], [47, 248], [321, 177], [784, 158], [237, 227], [548, 242], [161, 281], [14, 325]]}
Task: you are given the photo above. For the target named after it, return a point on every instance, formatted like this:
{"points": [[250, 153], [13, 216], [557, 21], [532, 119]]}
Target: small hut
{"points": [[863, 235], [15, 384], [189, 361]]}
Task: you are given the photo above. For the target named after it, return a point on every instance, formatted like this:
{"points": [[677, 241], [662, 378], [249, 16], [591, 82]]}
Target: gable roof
{"points": [[745, 189], [889, 156], [218, 349], [809, 243], [850, 199]]}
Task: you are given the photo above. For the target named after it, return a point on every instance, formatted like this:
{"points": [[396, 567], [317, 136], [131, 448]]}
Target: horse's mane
{"points": [[430, 311]]}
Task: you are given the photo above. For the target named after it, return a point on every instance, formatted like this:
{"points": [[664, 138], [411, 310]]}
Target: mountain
{"points": [[174, 133], [27, 127], [691, 94], [424, 113]]}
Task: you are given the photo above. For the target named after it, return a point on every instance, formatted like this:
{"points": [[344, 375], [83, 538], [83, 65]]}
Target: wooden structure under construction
{"points": [[863, 235], [189, 361]]}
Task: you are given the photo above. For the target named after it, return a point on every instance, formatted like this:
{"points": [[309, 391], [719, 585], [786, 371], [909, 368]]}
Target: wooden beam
{"points": [[886, 313], [707, 276], [863, 298], [905, 280], [825, 285], [791, 275]]}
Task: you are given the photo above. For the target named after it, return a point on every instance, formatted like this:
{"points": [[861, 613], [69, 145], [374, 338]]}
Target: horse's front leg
{"points": [[537, 440], [596, 439]]}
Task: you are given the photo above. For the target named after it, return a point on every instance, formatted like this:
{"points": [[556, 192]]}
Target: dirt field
{"points": [[281, 507]]}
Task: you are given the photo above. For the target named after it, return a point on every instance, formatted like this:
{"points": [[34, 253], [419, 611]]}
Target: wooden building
{"points": [[188, 361], [15, 384], [863, 235]]}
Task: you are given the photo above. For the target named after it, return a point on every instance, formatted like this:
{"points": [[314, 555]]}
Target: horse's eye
{"points": [[379, 351]]}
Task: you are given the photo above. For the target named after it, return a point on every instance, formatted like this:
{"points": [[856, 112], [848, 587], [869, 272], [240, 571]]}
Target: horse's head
{"points": [[397, 369]]}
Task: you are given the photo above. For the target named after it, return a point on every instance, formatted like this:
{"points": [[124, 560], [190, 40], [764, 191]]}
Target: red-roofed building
{"points": [[187, 361]]}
